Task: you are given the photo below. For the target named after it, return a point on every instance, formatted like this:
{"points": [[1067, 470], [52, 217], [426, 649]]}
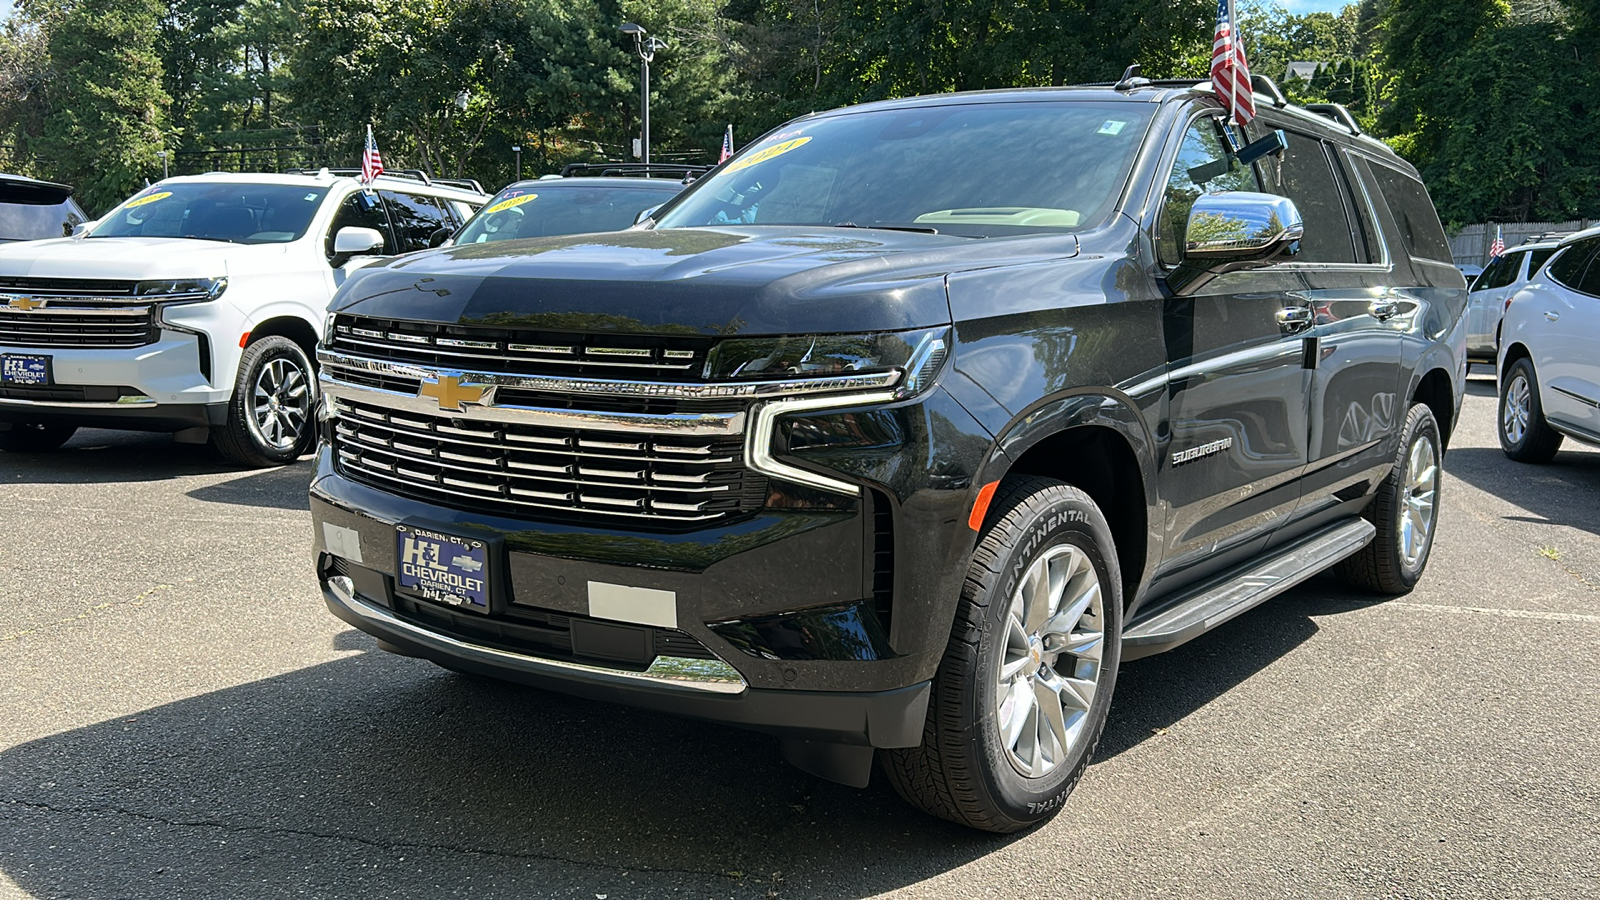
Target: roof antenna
{"points": [[1131, 79]]}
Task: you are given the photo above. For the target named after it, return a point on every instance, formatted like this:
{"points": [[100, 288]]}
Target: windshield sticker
{"points": [[309, 197], [509, 203], [761, 156], [1113, 127], [162, 195]]}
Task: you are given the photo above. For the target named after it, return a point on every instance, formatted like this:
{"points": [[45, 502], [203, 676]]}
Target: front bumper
{"points": [[162, 387]]}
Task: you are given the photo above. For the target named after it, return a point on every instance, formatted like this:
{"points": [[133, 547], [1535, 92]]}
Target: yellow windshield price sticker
{"points": [[762, 155], [162, 195], [510, 203]]}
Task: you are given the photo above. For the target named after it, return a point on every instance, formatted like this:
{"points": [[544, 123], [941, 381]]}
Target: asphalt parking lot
{"points": [[180, 717]]}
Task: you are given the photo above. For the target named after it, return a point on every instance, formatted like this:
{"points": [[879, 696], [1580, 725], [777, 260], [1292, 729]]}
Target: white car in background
{"points": [[1493, 289], [195, 307], [1549, 365]]}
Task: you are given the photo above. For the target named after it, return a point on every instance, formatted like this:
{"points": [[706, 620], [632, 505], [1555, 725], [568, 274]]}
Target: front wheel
{"points": [[1404, 512], [1524, 434], [1020, 698], [35, 437], [270, 414]]}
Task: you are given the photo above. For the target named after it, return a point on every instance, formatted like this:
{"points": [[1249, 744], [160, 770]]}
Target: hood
{"points": [[722, 281], [135, 258]]}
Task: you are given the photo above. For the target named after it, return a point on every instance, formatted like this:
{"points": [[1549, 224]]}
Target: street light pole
{"points": [[518, 152], [646, 47], [163, 155]]}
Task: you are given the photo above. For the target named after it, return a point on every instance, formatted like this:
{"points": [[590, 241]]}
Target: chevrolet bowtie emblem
{"points": [[452, 394], [25, 303]]}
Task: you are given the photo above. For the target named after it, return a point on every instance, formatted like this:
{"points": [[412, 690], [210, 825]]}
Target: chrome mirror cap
{"points": [[1241, 226]]}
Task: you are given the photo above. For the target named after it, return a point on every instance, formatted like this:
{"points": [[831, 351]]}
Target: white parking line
{"points": [[1507, 613]]}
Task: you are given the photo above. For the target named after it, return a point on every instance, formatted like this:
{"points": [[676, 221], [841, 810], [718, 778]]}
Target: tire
{"points": [[969, 769], [1525, 436], [1405, 513], [271, 417], [35, 437]]}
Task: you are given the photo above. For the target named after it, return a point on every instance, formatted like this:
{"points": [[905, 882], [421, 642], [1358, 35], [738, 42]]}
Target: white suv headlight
{"points": [[183, 289]]}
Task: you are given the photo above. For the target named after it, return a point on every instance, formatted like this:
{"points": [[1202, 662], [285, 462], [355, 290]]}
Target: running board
{"points": [[1202, 608]]}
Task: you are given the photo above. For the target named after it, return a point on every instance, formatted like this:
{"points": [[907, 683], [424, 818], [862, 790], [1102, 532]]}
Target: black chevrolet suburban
{"points": [[898, 432]]}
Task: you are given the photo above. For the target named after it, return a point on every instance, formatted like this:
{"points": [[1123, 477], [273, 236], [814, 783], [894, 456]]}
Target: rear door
{"points": [[1487, 301], [1237, 389]]}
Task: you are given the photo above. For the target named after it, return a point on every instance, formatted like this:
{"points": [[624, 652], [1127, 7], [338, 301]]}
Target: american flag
{"points": [[727, 145], [1498, 248], [371, 159], [1230, 73]]}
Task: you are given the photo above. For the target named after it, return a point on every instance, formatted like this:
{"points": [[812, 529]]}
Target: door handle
{"points": [[1295, 318], [1552, 316], [1384, 309]]}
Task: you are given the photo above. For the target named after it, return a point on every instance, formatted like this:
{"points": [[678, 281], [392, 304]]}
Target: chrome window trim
{"points": [[670, 672], [713, 424], [613, 387], [758, 447]]}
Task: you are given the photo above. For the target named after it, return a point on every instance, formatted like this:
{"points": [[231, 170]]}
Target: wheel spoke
{"points": [[1022, 707], [1050, 705]]}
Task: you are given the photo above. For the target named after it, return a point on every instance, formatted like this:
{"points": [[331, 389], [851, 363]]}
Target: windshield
{"points": [[30, 222], [216, 211], [553, 208], [979, 169]]}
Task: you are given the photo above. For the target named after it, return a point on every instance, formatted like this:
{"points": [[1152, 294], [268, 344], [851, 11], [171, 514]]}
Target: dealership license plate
{"points": [[15, 368], [443, 568]]}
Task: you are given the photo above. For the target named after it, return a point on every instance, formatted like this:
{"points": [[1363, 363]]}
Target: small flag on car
{"points": [[1230, 72], [727, 145], [371, 159], [1498, 248]]}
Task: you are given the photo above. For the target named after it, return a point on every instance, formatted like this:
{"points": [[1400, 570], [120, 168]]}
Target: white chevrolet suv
{"points": [[195, 307]]}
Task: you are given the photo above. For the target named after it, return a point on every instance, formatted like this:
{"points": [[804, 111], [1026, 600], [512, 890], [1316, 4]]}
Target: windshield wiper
{"points": [[919, 229]]}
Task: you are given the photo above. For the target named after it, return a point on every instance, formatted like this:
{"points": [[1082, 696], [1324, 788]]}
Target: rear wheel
{"points": [[1021, 695], [270, 415], [1524, 434], [35, 437], [1404, 512]]}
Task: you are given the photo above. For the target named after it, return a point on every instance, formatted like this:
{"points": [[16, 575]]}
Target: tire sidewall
{"points": [[1421, 424], [243, 416], [1065, 520], [1524, 368]]}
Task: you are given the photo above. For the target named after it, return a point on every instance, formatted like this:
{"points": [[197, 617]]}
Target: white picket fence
{"points": [[1471, 244]]}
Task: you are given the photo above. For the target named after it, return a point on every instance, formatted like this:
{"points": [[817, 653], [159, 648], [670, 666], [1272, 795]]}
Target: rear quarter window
{"points": [[1413, 212], [1574, 266]]}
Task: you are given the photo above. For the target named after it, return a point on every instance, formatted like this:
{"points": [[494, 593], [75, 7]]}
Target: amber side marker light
{"points": [[980, 507], [244, 339]]}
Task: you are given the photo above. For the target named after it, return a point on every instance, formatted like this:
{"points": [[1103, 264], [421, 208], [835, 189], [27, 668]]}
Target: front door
{"points": [[1237, 387]]}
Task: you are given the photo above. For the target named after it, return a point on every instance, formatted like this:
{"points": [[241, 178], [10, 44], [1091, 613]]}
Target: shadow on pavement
{"points": [[287, 487], [1564, 491], [380, 776], [95, 456]]}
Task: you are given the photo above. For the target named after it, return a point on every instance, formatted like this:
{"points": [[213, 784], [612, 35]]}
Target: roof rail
{"points": [[572, 170], [1547, 236], [1337, 113], [470, 184], [1261, 84], [412, 174], [1132, 77]]}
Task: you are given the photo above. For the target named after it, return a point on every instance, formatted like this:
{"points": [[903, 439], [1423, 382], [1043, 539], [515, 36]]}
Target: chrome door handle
{"points": [[1384, 309], [1294, 318], [1552, 316]]}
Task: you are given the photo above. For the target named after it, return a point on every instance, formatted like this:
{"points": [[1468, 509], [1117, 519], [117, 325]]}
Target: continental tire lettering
{"points": [[1204, 450], [1042, 531]]}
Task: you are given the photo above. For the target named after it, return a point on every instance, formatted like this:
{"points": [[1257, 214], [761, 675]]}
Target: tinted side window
{"points": [[1540, 257], [361, 210], [1202, 166], [1304, 175], [1568, 268], [1413, 212], [1369, 241], [1490, 277], [415, 219]]}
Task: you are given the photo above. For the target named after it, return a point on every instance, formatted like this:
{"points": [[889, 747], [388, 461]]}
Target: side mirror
{"points": [[438, 238], [355, 241], [1234, 230], [645, 214]]}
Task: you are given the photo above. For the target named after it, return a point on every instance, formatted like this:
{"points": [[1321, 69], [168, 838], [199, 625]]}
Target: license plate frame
{"points": [[26, 370], [453, 570]]}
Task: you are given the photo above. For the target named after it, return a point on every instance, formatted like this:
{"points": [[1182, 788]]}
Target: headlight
{"points": [[184, 288], [918, 353]]}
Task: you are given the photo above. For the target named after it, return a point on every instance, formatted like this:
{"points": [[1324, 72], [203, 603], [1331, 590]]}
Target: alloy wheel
{"points": [[1514, 418], [1050, 668], [280, 404], [1417, 509]]}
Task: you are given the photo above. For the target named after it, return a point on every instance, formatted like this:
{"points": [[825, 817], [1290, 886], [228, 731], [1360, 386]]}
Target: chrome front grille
{"points": [[63, 324], [521, 351], [521, 469]]}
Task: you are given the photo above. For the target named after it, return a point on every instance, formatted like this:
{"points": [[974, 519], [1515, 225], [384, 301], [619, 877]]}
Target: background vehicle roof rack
{"points": [[470, 184], [571, 170], [1265, 86], [412, 174], [1547, 236], [1336, 112]]}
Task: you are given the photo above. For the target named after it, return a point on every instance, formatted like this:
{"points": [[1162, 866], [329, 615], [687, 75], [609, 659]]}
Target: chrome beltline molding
{"points": [[713, 424], [569, 385], [758, 447], [670, 672]]}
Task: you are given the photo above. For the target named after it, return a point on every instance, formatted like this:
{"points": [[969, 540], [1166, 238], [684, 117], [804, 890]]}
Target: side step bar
{"points": [[1202, 608]]}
